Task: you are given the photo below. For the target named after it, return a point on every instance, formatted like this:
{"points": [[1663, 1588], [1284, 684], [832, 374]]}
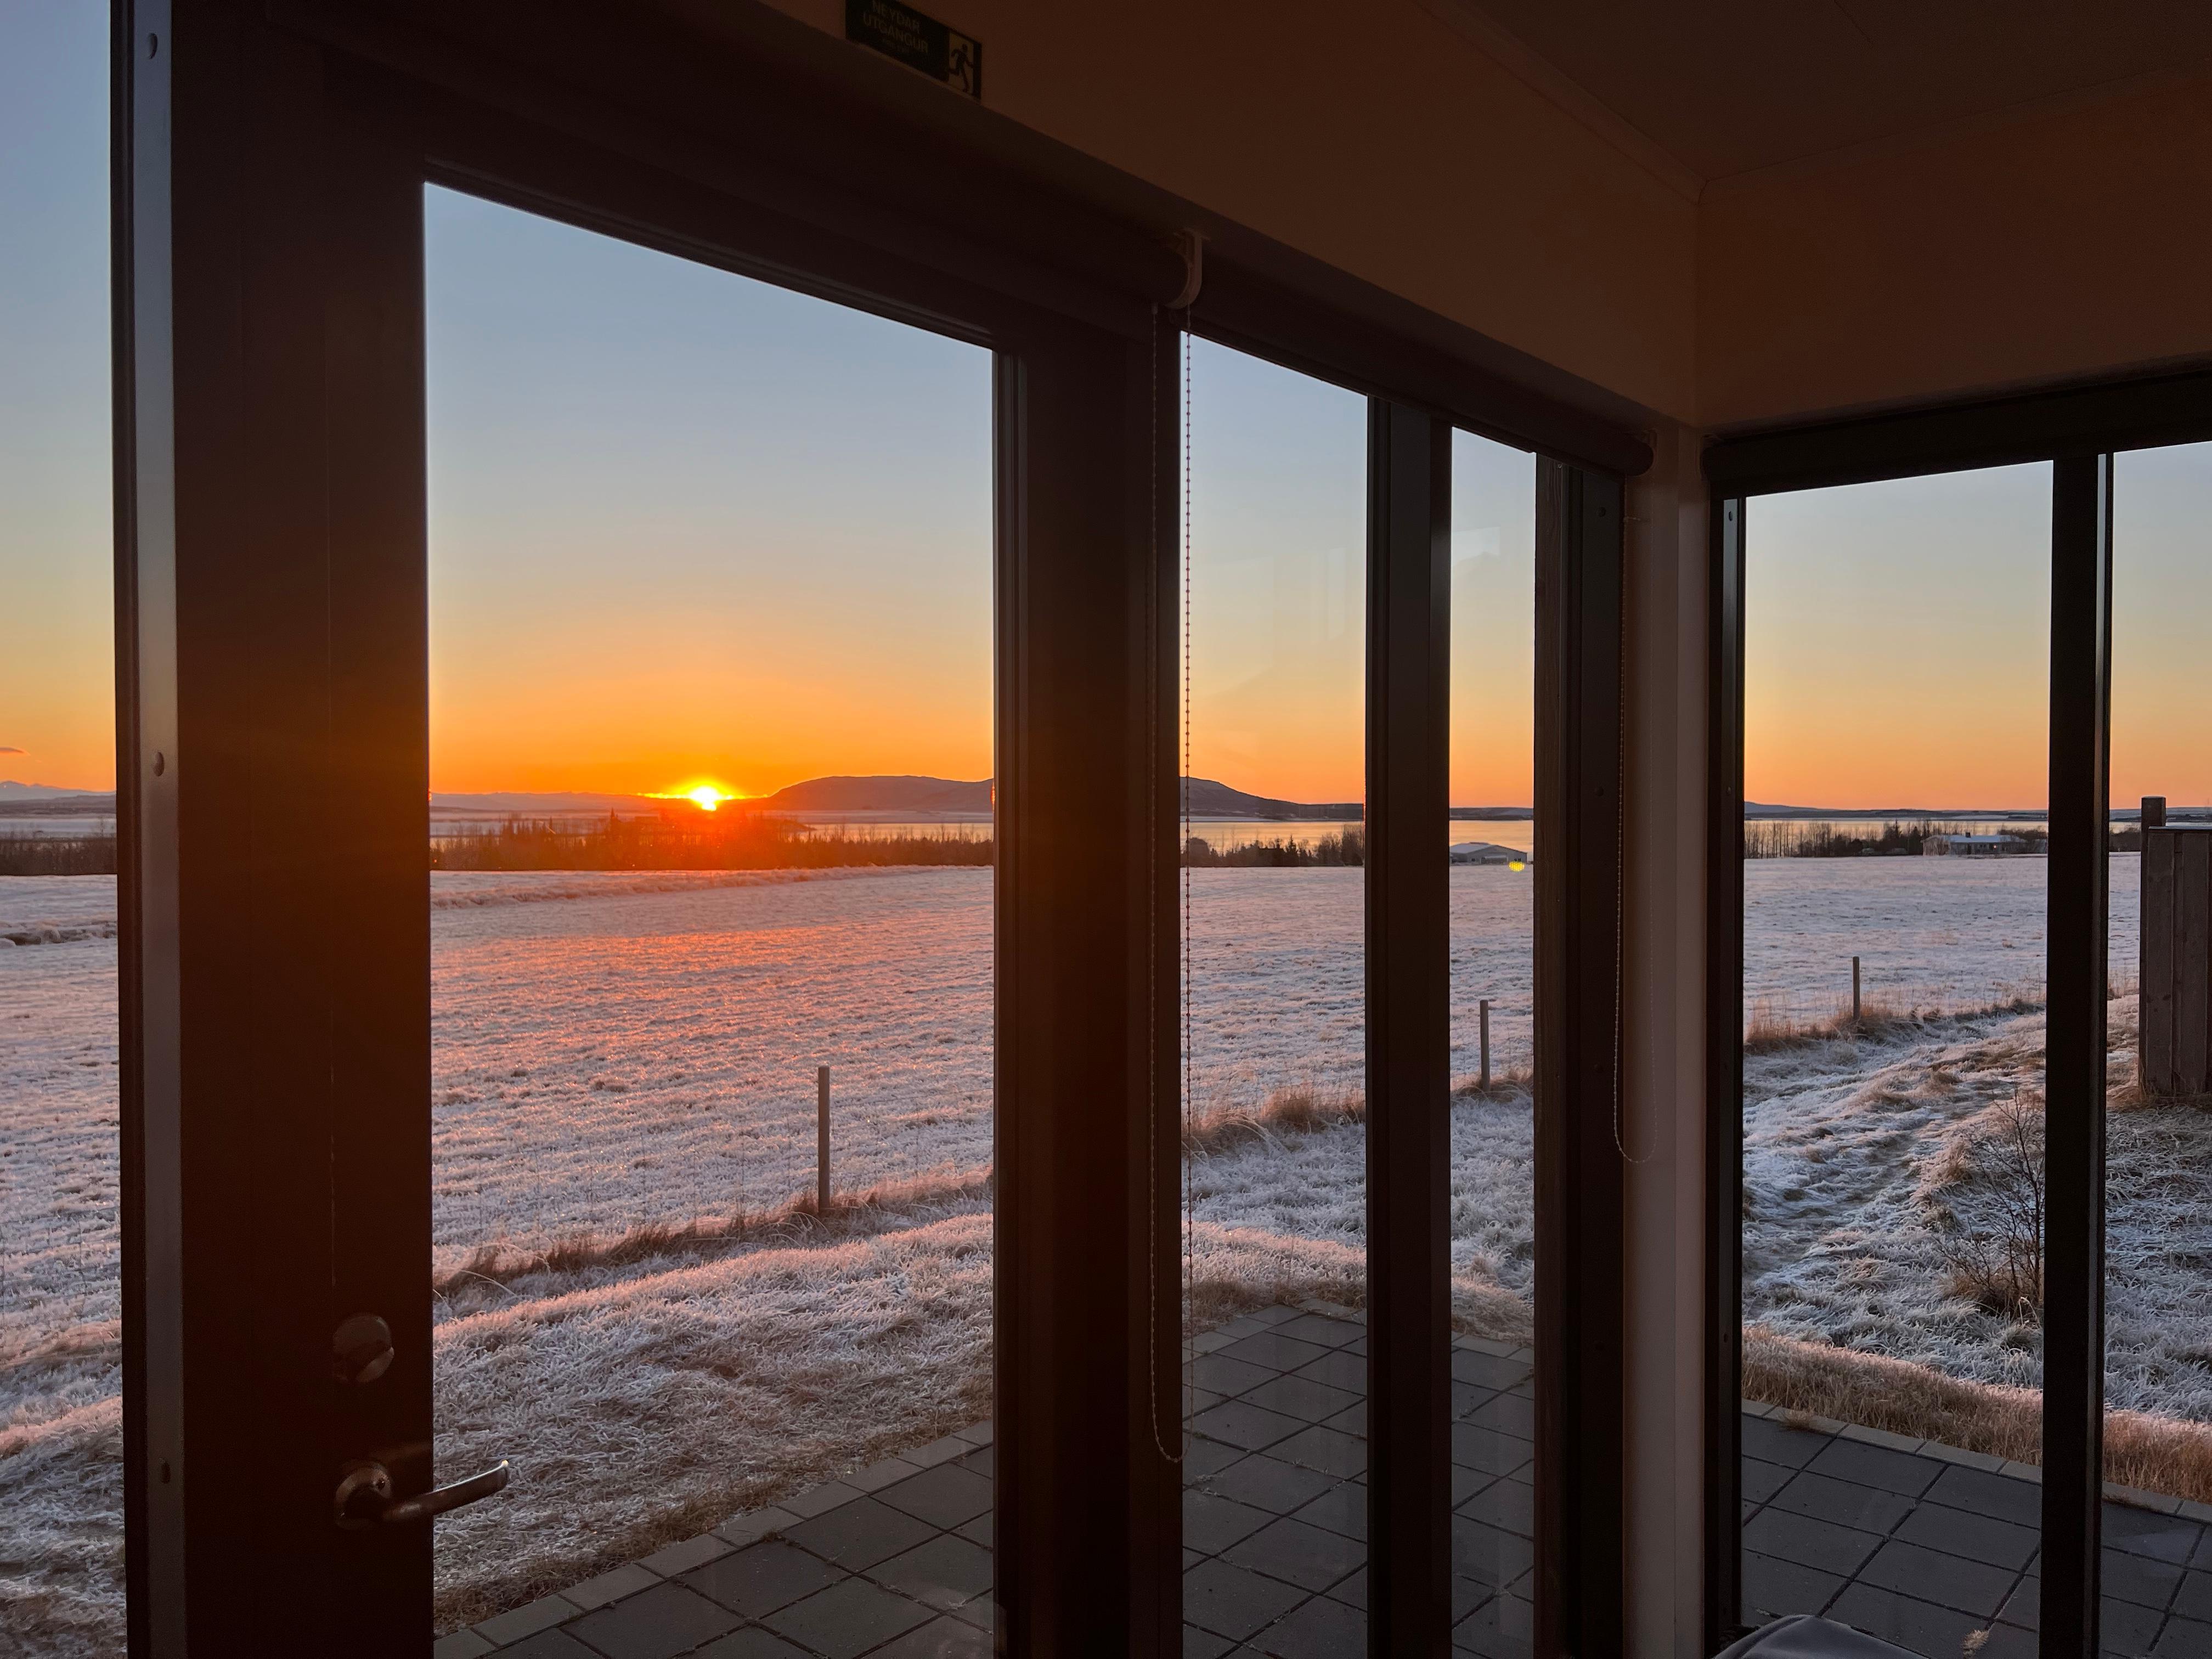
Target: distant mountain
{"points": [[893, 793], [1752, 808], [10, 790], [1209, 799]]}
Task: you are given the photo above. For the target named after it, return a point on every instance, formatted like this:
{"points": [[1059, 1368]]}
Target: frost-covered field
{"points": [[616, 1050]]}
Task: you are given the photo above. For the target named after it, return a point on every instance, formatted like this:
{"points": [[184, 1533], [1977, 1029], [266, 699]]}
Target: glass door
{"points": [[710, 837], [1896, 713]]}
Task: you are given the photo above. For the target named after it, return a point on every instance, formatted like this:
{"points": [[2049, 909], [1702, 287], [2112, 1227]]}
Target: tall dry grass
{"points": [[58, 855], [2150, 1453], [727, 840]]}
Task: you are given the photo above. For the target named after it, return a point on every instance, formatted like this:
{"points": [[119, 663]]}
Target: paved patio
{"points": [[893, 1561], [1928, 1547]]}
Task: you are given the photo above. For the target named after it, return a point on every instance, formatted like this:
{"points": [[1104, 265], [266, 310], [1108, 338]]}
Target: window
{"points": [[1895, 688], [712, 905]]}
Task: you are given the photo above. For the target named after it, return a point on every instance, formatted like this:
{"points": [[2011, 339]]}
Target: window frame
{"points": [[2077, 428]]}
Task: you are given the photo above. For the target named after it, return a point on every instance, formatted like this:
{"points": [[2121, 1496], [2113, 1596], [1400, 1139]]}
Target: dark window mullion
{"points": [[2073, 1077], [1723, 1617], [1408, 1032]]}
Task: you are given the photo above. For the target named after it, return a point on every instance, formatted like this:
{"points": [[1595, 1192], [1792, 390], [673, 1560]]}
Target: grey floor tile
{"points": [[1772, 1443], [1821, 1545], [848, 1619], [1489, 1449], [1467, 1398], [1202, 1457], [1211, 1523], [1945, 1581], [1277, 1351], [2139, 1579], [1488, 1555], [983, 1612], [1342, 1509], [1504, 1627], [1223, 1374], [1327, 1451], [1339, 1370], [681, 1556], [660, 1623], [1231, 1602], [460, 1645], [1270, 1484], [1868, 1509], [859, 1535], [1319, 1328], [2024, 1607], [942, 1573], [1510, 1412], [1204, 1643], [1877, 1465], [2008, 1641], [1509, 1504], [816, 1499], [1352, 1591], [1302, 1397], [2143, 1532], [1240, 1423], [2193, 1599], [2000, 1495], [1486, 1370], [751, 1644], [611, 1586], [1921, 1627], [944, 1496], [1762, 1479], [511, 1627], [1977, 1537], [1466, 1483], [2184, 1639], [549, 1644], [1299, 1553], [1773, 1587], [1319, 1629], [757, 1580], [940, 1638], [2127, 1631], [978, 1531], [983, 1460]]}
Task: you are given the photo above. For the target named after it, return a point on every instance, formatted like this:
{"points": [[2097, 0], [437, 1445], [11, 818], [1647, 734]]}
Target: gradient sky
{"points": [[686, 525]]}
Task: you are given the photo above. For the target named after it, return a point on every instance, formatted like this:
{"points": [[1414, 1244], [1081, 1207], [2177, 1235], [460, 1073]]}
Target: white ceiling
{"points": [[1725, 87]]}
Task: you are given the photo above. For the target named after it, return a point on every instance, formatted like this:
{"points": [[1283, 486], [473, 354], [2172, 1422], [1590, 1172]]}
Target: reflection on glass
{"points": [[1897, 645], [1493, 737], [2157, 1137], [710, 838], [61, 1289], [1275, 1455]]}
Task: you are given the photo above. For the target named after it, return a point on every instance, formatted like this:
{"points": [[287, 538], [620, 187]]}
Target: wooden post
{"points": [[1485, 1005], [822, 1143], [1855, 990]]}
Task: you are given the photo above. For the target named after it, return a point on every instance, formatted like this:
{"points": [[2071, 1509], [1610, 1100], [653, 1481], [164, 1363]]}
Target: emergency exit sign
{"points": [[919, 41]]}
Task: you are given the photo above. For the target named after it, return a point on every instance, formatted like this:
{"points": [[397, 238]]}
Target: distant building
{"points": [[1488, 852], [1972, 847]]}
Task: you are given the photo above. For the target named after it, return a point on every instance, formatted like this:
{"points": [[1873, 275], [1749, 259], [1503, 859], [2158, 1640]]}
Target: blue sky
{"points": [[682, 522]]}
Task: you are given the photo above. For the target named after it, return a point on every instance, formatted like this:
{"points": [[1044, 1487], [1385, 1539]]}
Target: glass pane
{"points": [[2158, 1135], [1493, 754], [1275, 1457], [710, 821], [61, 1446], [1896, 774]]}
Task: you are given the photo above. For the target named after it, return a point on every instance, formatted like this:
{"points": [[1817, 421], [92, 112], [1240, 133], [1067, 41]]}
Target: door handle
{"points": [[365, 1500]]}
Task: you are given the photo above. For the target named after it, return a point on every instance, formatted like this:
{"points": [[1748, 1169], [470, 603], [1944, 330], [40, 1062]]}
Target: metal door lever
{"points": [[364, 1498]]}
